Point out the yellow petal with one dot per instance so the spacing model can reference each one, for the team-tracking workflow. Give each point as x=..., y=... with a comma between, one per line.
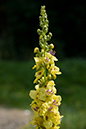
x=51, y=83
x=59, y=73
x=37, y=86
x=34, y=67
x=37, y=60
x=47, y=124
x=33, y=94
x=42, y=94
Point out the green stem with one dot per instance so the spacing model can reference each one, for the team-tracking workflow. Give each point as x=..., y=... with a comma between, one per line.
x=44, y=56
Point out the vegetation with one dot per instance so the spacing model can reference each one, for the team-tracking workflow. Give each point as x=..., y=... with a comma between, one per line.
x=16, y=81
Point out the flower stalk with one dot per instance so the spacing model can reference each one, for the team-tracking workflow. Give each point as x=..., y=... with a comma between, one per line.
x=45, y=104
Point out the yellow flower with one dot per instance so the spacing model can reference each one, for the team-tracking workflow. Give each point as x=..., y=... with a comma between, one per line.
x=49, y=56
x=55, y=110
x=47, y=124
x=35, y=107
x=37, y=120
x=43, y=109
x=39, y=74
x=39, y=62
x=50, y=90
x=51, y=83
x=45, y=104
x=55, y=69
x=55, y=118
x=56, y=100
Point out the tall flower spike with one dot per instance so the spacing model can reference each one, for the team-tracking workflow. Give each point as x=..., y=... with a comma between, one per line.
x=45, y=101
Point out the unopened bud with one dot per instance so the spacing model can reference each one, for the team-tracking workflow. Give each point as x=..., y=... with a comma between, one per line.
x=49, y=76
x=50, y=34
x=42, y=50
x=45, y=26
x=40, y=37
x=42, y=80
x=36, y=50
x=43, y=7
x=38, y=30
x=51, y=46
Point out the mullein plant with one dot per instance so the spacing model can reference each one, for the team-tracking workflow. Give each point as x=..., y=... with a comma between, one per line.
x=45, y=104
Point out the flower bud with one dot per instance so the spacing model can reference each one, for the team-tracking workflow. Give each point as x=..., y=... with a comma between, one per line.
x=51, y=46
x=48, y=37
x=40, y=37
x=42, y=80
x=42, y=50
x=49, y=76
x=41, y=45
x=44, y=26
x=45, y=16
x=43, y=7
x=39, y=31
x=36, y=50
x=50, y=34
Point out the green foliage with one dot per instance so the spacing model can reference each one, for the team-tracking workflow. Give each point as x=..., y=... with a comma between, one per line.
x=15, y=83
x=74, y=119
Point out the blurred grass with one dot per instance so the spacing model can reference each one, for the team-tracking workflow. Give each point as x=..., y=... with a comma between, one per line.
x=16, y=81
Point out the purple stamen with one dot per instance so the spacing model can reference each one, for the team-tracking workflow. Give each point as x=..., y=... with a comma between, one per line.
x=51, y=52
x=46, y=117
x=50, y=108
x=35, y=109
x=47, y=90
x=39, y=73
x=52, y=93
x=47, y=59
x=54, y=101
x=50, y=111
